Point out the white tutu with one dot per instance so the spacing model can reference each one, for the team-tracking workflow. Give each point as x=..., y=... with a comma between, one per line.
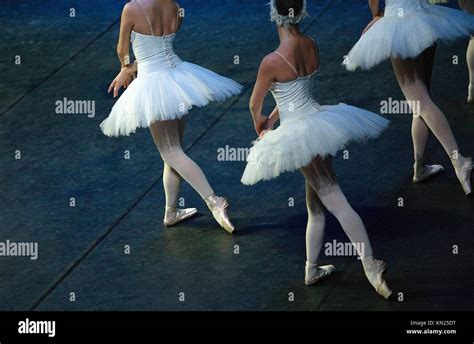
x=166, y=95
x=166, y=87
x=302, y=137
x=407, y=29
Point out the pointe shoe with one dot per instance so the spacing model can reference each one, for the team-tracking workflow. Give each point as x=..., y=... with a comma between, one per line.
x=374, y=270
x=470, y=97
x=174, y=216
x=464, y=175
x=423, y=173
x=314, y=273
x=218, y=206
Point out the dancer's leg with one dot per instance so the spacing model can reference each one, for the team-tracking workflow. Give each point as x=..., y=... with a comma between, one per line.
x=171, y=178
x=315, y=238
x=320, y=175
x=468, y=6
x=470, y=65
x=315, y=226
x=411, y=75
x=167, y=139
x=166, y=135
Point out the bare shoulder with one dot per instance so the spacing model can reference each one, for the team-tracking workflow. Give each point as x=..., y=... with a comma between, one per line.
x=270, y=63
x=129, y=10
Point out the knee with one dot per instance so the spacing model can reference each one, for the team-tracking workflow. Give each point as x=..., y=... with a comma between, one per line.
x=316, y=213
x=171, y=156
x=336, y=204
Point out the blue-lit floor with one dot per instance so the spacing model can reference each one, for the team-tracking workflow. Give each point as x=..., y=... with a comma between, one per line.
x=83, y=262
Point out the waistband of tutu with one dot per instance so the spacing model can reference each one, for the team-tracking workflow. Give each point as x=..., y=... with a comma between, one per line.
x=148, y=67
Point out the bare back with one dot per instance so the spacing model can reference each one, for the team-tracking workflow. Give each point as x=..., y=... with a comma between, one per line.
x=156, y=17
x=296, y=57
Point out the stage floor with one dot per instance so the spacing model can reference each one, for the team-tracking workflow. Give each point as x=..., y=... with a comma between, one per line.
x=83, y=260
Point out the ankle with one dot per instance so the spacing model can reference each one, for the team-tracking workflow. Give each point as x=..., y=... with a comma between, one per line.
x=457, y=160
x=211, y=200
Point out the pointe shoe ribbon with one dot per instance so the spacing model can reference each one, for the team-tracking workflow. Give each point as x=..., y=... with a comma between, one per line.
x=174, y=216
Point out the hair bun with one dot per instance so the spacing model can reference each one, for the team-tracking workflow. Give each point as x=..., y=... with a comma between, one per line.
x=282, y=20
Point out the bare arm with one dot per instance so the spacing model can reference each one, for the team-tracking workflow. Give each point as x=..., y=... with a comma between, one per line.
x=377, y=13
x=126, y=26
x=265, y=78
x=375, y=7
x=128, y=69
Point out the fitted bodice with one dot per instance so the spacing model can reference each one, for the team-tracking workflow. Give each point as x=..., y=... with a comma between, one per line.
x=154, y=53
x=399, y=7
x=294, y=98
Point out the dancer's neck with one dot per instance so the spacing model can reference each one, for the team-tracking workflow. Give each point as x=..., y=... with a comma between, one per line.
x=286, y=32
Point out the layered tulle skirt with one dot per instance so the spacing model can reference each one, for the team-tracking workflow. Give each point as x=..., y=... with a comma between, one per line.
x=167, y=94
x=408, y=35
x=298, y=140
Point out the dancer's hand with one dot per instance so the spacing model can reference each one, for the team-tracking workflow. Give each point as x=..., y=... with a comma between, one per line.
x=270, y=122
x=263, y=133
x=259, y=123
x=367, y=28
x=123, y=79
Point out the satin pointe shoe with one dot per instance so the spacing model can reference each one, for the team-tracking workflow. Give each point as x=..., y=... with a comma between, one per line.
x=218, y=207
x=464, y=173
x=314, y=273
x=423, y=172
x=174, y=216
x=374, y=270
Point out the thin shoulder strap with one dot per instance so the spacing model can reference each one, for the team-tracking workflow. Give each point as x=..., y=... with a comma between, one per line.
x=177, y=17
x=144, y=14
x=288, y=62
x=316, y=50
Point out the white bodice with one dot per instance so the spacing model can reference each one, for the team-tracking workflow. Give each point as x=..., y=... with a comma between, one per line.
x=154, y=53
x=294, y=98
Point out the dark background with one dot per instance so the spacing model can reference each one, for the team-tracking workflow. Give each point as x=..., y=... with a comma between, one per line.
x=120, y=202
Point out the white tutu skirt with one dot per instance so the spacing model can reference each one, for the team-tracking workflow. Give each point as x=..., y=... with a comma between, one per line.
x=164, y=95
x=409, y=35
x=297, y=141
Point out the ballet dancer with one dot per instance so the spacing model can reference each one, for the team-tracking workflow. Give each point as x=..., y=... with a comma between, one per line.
x=468, y=6
x=308, y=137
x=407, y=31
x=164, y=91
